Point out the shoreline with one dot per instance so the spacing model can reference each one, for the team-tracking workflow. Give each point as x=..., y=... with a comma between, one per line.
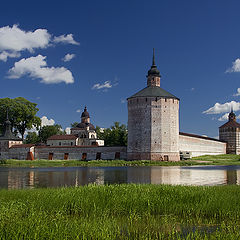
x=226, y=159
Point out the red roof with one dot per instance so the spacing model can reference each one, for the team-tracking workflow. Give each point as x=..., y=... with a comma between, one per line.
x=22, y=146
x=198, y=136
x=62, y=137
x=231, y=123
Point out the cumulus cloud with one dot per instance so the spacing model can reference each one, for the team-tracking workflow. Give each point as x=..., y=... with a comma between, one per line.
x=46, y=122
x=65, y=39
x=235, y=66
x=5, y=55
x=67, y=130
x=223, y=108
x=223, y=117
x=123, y=100
x=238, y=93
x=36, y=67
x=68, y=57
x=13, y=40
x=105, y=85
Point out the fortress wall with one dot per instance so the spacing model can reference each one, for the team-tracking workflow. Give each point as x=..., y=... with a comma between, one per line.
x=76, y=152
x=20, y=153
x=200, y=145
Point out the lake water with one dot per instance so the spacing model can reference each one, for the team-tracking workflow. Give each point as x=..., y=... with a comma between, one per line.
x=19, y=178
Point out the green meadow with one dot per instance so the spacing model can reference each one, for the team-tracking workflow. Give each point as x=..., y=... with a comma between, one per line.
x=121, y=212
x=226, y=159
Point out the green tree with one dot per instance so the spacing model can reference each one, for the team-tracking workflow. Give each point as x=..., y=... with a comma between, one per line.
x=73, y=125
x=47, y=131
x=32, y=137
x=22, y=114
x=114, y=136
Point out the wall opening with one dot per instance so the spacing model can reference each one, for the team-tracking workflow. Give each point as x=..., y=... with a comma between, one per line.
x=84, y=156
x=50, y=156
x=30, y=156
x=165, y=157
x=117, y=155
x=66, y=156
x=98, y=156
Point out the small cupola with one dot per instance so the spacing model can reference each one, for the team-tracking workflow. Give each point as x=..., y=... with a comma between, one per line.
x=153, y=77
x=232, y=116
x=85, y=118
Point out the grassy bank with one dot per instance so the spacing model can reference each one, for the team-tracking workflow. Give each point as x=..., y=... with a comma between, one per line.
x=121, y=212
x=226, y=159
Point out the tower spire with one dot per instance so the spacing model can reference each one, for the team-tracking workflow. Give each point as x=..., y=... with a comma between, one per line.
x=153, y=77
x=153, y=60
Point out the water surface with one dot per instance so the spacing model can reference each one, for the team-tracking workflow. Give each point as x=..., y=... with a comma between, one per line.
x=18, y=178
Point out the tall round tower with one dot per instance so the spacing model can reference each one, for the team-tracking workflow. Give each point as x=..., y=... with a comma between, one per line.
x=153, y=122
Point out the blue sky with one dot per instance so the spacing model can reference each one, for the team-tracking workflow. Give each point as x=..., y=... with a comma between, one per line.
x=109, y=45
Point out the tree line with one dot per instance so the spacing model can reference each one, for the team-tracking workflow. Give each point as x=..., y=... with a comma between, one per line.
x=22, y=115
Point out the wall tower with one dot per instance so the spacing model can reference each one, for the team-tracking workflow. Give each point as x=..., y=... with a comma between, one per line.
x=153, y=122
x=230, y=133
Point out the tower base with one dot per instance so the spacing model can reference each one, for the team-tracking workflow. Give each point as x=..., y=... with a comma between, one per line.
x=171, y=157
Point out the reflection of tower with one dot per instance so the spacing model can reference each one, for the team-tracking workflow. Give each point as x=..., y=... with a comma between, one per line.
x=231, y=177
x=165, y=175
x=31, y=179
x=153, y=122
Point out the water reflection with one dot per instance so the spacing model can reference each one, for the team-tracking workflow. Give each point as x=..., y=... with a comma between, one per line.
x=18, y=178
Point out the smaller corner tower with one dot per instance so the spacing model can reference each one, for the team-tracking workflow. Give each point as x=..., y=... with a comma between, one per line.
x=230, y=133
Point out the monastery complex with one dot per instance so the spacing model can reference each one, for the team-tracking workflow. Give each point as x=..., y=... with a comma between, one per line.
x=153, y=133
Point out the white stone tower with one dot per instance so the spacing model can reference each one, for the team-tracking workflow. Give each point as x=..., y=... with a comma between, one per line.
x=153, y=122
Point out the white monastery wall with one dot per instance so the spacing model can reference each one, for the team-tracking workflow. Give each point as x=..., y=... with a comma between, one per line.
x=201, y=146
x=77, y=152
x=20, y=153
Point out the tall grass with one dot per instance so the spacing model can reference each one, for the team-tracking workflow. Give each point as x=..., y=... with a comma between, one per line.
x=121, y=212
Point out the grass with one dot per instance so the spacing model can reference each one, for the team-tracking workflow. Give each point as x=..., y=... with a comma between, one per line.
x=121, y=212
x=226, y=159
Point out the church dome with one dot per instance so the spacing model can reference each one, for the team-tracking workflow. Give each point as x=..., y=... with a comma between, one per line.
x=85, y=114
x=154, y=71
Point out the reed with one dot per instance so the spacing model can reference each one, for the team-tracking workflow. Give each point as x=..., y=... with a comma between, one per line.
x=121, y=212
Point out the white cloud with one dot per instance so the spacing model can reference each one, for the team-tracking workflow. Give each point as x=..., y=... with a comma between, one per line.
x=123, y=100
x=65, y=39
x=105, y=85
x=13, y=40
x=46, y=122
x=5, y=55
x=36, y=67
x=238, y=93
x=223, y=108
x=68, y=57
x=192, y=89
x=223, y=117
x=67, y=129
x=235, y=66
x=78, y=111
